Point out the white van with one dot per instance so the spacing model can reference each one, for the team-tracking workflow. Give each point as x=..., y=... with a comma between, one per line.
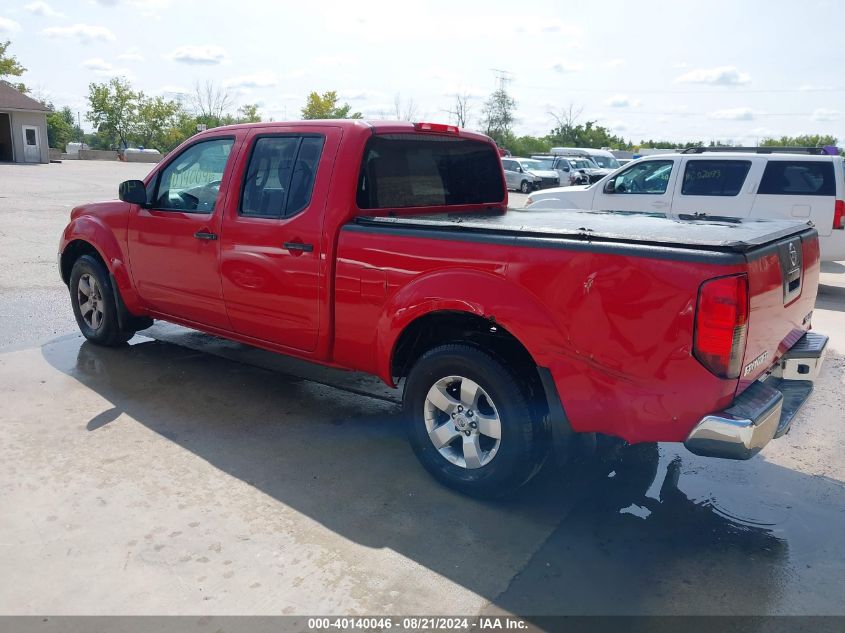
x=762, y=183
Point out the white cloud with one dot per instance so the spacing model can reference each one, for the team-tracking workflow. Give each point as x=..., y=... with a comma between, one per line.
x=132, y=55
x=562, y=66
x=256, y=80
x=174, y=92
x=97, y=63
x=614, y=63
x=334, y=61
x=104, y=69
x=208, y=55
x=722, y=76
x=8, y=26
x=618, y=126
x=734, y=114
x=621, y=101
x=296, y=73
x=85, y=33
x=825, y=114
x=39, y=7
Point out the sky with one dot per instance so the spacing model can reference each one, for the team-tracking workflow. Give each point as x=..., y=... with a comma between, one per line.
x=681, y=70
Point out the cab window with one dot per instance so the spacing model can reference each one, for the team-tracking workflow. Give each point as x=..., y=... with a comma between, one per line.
x=650, y=177
x=280, y=175
x=191, y=182
x=714, y=177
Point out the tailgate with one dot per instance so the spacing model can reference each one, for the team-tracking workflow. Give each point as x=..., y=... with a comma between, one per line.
x=783, y=279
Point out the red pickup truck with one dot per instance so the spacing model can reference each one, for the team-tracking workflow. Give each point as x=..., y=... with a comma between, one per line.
x=388, y=248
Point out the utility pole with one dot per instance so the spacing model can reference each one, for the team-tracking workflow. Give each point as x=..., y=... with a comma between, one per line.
x=79, y=125
x=503, y=78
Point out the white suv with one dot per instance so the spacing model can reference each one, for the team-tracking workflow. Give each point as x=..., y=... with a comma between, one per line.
x=803, y=185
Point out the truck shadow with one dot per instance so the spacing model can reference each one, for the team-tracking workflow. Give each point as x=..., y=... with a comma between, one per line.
x=650, y=530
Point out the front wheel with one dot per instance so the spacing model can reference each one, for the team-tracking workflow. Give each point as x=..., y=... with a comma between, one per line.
x=525, y=187
x=469, y=422
x=92, y=299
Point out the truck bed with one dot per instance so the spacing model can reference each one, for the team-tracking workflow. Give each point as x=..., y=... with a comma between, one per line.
x=720, y=235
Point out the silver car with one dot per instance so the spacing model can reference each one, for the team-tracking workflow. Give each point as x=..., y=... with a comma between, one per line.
x=526, y=175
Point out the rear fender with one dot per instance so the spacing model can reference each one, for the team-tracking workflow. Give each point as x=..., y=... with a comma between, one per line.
x=482, y=294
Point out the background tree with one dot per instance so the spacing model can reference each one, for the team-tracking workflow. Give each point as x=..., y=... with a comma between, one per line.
x=211, y=104
x=61, y=127
x=248, y=113
x=10, y=67
x=460, y=111
x=404, y=110
x=113, y=109
x=498, y=116
x=325, y=107
x=154, y=118
x=805, y=140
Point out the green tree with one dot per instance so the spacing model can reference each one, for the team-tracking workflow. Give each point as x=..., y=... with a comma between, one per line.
x=806, y=140
x=61, y=127
x=248, y=113
x=113, y=109
x=325, y=107
x=498, y=116
x=154, y=118
x=10, y=67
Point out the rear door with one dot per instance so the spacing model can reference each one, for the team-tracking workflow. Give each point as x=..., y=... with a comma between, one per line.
x=717, y=186
x=800, y=189
x=646, y=185
x=271, y=246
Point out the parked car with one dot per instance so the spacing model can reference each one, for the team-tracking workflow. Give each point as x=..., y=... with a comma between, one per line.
x=601, y=157
x=525, y=175
x=371, y=247
x=566, y=169
x=766, y=183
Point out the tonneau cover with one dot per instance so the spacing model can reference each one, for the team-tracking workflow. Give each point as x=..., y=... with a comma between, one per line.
x=728, y=234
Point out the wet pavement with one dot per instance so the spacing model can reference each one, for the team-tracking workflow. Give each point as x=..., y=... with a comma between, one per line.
x=186, y=474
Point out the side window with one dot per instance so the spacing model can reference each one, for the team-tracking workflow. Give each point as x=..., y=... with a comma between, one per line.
x=509, y=165
x=191, y=182
x=798, y=178
x=648, y=177
x=280, y=175
x=715, y=177
x=562, y=164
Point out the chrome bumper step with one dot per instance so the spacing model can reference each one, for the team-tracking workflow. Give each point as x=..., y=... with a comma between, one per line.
x=795, y=394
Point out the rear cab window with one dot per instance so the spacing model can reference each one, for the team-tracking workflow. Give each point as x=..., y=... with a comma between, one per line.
x=280, y=175
x=715, y=177
x=413, y=170
x=798, y=178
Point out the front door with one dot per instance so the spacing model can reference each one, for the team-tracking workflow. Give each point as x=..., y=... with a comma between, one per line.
x=646, y=185
x=173, y=244
x=31, y=144
x=272, y=259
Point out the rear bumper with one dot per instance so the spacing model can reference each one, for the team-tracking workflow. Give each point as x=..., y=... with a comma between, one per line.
x=765, y=410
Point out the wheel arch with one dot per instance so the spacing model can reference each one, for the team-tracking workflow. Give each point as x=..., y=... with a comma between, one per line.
x=86, y=235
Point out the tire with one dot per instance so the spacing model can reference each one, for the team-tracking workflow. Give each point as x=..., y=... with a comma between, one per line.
x=525, y=187
x=97, y=319
x=469, y=458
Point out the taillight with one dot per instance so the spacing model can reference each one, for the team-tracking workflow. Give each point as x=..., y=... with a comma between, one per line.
x=721, y=325
x=839, y=215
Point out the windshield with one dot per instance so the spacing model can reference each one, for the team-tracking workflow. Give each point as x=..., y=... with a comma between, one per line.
x=582, y=163
x=532, y=165
x=608, y=162
x=546, y=163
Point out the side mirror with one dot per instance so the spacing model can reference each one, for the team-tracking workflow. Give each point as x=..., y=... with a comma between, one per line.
x=610, y=187
x=133, y=192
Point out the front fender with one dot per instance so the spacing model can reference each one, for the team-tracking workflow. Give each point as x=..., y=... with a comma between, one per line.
x=94, y=231
x=482, y=294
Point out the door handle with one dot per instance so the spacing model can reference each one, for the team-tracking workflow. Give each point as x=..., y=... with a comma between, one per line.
x=299, y=246
x=205, y=235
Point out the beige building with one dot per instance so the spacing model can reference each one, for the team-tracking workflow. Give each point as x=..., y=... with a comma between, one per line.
x=23, y=128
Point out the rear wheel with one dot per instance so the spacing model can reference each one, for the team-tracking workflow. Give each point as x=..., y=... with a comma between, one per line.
x=469, y=422
x=92, y=299
x=525, y=187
